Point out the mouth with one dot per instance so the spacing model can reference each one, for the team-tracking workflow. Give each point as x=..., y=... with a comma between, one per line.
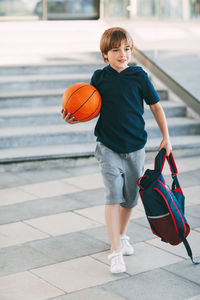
x=122, y=60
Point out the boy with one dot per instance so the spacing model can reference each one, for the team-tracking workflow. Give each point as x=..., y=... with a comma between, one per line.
x=121, y=135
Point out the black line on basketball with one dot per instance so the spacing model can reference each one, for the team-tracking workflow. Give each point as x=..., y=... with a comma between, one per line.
x=83, y=103
x=93, y=112
x=76, y=91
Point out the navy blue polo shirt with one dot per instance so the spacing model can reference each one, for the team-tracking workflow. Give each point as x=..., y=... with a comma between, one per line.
x=121, y=126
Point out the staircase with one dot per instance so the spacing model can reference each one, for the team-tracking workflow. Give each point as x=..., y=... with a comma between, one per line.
x=31, y=126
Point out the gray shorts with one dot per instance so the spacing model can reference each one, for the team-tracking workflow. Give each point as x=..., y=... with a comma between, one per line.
x=120, y=173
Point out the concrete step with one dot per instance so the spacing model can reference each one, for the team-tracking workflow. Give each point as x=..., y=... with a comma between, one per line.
x=55, y=67
x=32, y=127
x=82, y=133
x=177, y=126
x=184, y=143
x=46, y=135
x=46, y=85
x=41, y=81
x=30, y=102
x=41, y=115
x=31, y=95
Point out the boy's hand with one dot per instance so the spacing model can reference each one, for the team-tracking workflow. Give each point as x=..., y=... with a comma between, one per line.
x=166, y=144
x=66, y=117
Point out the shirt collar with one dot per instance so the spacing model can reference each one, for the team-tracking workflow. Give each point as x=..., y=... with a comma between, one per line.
x=115, y=71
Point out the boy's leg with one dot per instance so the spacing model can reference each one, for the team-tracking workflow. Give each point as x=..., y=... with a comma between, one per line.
x=126, y=247
x=112, y=216
x=125, y=214
x=133, y=169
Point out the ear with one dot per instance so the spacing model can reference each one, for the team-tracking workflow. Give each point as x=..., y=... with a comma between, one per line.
x=105, y=56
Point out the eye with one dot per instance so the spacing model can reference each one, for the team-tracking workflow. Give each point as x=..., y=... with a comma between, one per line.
x=115, y=50
x=127, y=48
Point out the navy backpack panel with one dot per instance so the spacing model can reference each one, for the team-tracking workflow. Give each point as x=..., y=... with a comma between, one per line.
x=164, y=207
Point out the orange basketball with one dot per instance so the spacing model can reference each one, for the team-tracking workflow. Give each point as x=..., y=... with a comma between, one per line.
x=82, y=101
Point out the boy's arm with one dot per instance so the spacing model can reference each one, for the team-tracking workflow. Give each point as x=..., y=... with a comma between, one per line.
x=159, y=115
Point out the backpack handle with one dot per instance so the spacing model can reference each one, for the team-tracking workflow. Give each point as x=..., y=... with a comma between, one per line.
x=160, y=161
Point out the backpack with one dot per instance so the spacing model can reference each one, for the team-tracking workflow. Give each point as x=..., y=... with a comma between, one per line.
x=164, y=207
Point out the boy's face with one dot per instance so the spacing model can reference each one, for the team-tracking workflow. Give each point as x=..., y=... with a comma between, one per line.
x=119, y=57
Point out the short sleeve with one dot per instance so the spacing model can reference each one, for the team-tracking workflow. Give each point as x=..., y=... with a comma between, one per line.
x=149, y=93
x=94, y=78
x=92, y=81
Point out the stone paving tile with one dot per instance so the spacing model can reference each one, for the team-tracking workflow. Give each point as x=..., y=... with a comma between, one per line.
x=193, y=238
x=187, y=164
x=187, y=179
x=187, y=270
x=17, y=178
x=21, y=258
x=193, y=211
x=69, y=246
x=95, y=213
x=14, y=195
x=194, y=298
x=16, y=233
x=141, y=221
x=136, y=232
x=90, y=294
x=77, y=274
x=91, y=197
x=44, y=175
x=86, y=182
x=84, y=170
x=139, y=205
x=150, y=257
x=192, y=195
x=183, y=165
x=62, y=223
x=9, y=180
x=26, y=286
x=193, y=221
x=137, y=213
x=99, y=233
x=38, y=208
x=153, y=285
x=50, y=188
x=95, y=197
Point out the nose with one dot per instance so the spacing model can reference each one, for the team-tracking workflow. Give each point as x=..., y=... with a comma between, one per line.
x=122, y=52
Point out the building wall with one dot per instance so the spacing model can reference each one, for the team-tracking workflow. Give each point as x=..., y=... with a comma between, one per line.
x=52, y=9
x=90, y=9
x=154, y=9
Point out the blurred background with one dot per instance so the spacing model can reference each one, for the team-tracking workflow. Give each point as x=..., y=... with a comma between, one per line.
x=93, y=9
x=47, y=45
x=168, y=31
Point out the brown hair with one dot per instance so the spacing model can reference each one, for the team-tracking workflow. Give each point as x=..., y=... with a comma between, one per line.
x=112, y=38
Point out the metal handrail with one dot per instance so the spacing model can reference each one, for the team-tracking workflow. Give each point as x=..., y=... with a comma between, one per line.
x=174, y=86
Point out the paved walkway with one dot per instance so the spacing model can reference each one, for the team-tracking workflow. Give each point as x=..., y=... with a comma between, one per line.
x=54, y=244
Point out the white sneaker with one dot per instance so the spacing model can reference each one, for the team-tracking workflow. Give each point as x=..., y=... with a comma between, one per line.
x=126, y=247
x=117, y=264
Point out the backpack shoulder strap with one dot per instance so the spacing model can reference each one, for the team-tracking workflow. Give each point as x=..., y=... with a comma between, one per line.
x=172, y=164
x=189, y=251
x=160, y=161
